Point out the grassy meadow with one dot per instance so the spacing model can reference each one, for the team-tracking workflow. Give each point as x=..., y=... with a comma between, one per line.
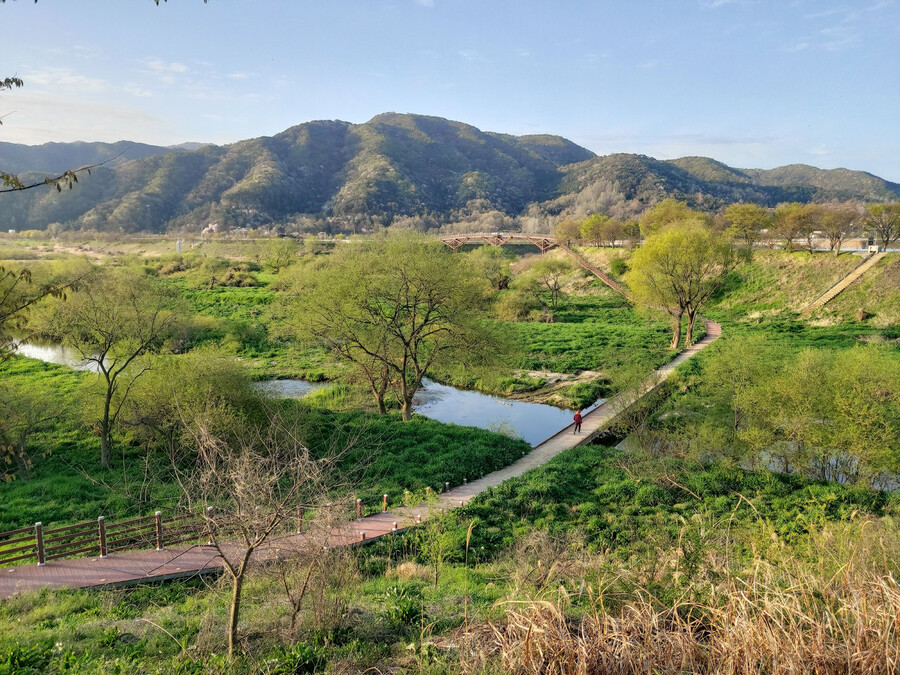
x=662, y=558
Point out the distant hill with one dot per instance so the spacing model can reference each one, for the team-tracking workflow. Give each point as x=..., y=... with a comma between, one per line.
x=58, y=157
x=346, y=175
x=709, y=184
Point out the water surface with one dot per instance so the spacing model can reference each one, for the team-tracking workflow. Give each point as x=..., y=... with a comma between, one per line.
x=532, y=422
x=288, y=388
x=52, y=352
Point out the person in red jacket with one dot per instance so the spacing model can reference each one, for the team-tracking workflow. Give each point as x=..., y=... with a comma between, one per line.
x=577, y=419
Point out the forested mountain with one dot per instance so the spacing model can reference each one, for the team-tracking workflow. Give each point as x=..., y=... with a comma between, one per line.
x=337, y=175
x=58, y=157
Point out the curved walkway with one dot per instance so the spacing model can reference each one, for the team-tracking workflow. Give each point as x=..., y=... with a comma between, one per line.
x=141, y=566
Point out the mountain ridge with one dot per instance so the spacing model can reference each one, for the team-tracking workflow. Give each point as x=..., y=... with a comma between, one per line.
x=338, y=175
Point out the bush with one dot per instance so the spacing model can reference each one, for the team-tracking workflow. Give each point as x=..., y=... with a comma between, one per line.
x=618, y=266
x=403, y=604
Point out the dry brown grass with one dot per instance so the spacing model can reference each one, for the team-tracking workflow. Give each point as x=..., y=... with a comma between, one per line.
x=778, y=616
x=756, y=626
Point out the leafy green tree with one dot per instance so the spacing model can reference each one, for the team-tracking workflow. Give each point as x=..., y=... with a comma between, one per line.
x=24, y=409
x=568, y=232
x=678, y=270
x=22, y=287
x=883, y=220
x=115, y=318
x=865, y=410
x=394, y=308
x=179, y=388
x=491, y=263
x=280, y=253
x=544, y=278
x=839, y=222
x=592, y=228
x=667, y=211
x=795, y=222
x=745, y=222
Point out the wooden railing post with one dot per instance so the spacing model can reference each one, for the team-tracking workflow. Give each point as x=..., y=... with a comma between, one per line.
x=210, y=527
x=39, y=541
x=358, y=509
x=299, y=519
x=159, y=531
x=384, y=503
x=101, y=526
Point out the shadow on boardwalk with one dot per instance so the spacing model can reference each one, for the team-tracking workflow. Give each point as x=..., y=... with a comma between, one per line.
x=141, y=566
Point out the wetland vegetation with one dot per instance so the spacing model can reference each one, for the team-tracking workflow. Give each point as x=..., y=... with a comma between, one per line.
x=764, y=460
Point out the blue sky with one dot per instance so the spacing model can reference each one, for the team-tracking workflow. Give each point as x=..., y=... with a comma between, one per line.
x=753, y=83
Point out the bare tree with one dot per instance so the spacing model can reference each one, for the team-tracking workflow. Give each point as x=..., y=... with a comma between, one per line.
x=250, y=487
x=884, y=222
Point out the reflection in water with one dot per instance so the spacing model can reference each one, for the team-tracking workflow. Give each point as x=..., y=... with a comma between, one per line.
x=288, y=388
x=533, y=422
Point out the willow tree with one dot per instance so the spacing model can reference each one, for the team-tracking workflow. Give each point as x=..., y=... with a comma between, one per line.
x=665, y=213
x=745, y=223
x=113, y=320
x=394, y=308
x=678, y=270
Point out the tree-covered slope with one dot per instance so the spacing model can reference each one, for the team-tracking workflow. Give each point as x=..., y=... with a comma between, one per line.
x=394, y=165
x=58, y=157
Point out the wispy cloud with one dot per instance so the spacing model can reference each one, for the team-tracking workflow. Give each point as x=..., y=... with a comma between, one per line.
x=39, y=119
x=715, y=4
x=65, y=78
x=592, y=60
x=160, y=66
x=137, y=90
x=471, y=55
x=797, y=46
x=425, y=3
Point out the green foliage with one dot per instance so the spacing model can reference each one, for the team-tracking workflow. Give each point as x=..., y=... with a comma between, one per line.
x=299, y=659
x=389, y=457
x=394, y=309
x=403, y=604
x=631, y=511
x=666, y=212
x=618, y=266
x=25, y=660
x=679, y=267
x=830, y=414
x=596, y=331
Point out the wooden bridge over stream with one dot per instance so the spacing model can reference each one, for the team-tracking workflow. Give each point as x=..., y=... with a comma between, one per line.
x=154, y=548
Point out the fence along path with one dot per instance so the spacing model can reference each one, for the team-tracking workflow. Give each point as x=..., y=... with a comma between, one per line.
x=177, y=544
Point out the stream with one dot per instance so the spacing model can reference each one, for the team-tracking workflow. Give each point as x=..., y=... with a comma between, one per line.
x=532, y=422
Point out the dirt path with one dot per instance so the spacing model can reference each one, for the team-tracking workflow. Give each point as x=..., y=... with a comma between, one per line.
x=136, y=566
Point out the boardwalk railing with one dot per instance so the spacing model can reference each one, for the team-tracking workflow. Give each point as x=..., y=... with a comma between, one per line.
x=35, y=544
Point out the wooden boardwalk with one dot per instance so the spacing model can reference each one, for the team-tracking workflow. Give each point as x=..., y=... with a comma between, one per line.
x=134, y=567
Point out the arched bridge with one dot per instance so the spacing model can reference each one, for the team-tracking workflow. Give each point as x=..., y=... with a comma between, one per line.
x=500, y=238
x=542, y=242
